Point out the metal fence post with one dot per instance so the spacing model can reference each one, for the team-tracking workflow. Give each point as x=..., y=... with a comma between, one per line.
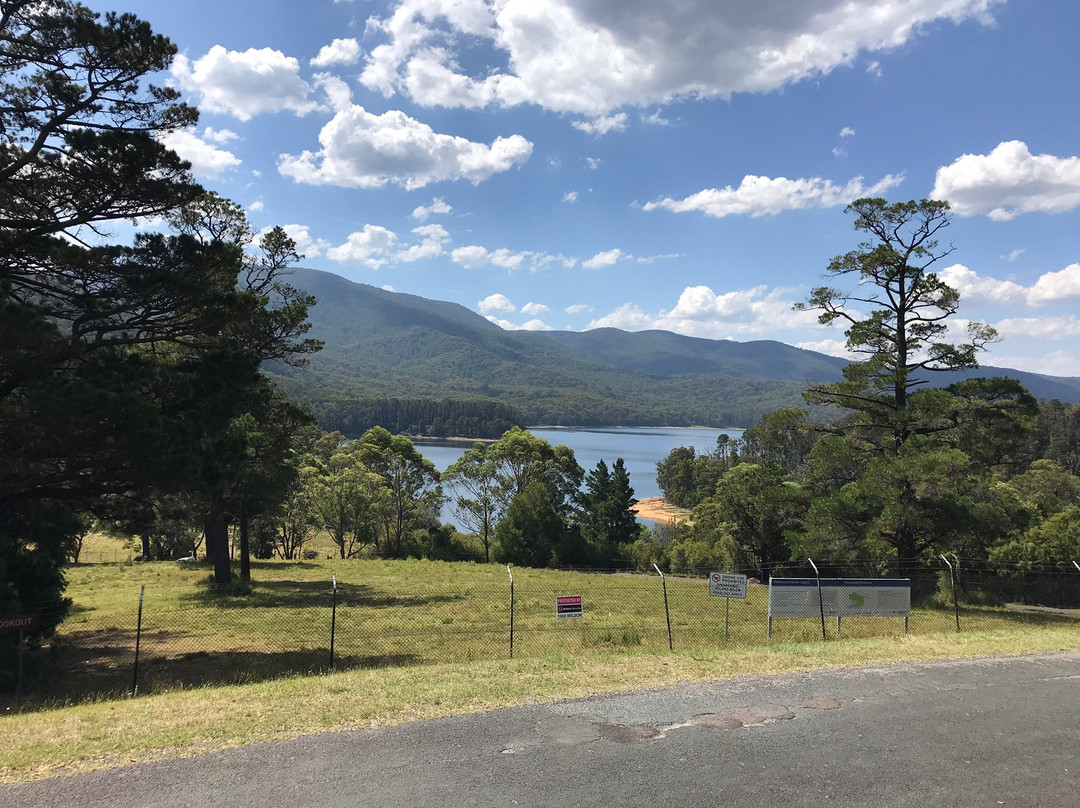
x=138, y=638
x=952, y=581
x=667, y=613
x=333, y=618
x=18, y=681
x=820, y=600
x=511, y=574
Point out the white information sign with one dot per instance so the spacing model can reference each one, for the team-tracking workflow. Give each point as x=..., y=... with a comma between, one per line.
x=727, y=585
x=840, y=597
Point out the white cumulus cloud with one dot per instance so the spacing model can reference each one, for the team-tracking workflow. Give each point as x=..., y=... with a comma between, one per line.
x=496, y=304
x=570, y=196
x=219, y=135
x=1052, y=328
x=1053, y=286
x=371, y=247
x=474, y=256
x=338, y=52
x=1054, y=363
x=971, y=285
x=207, y=161
x=832, y=347
x=602, y=124
x=437, y=206
x=1050, y=287
x=433, y=243
x=760, y=196
x=702, y=312
x=577, y=308
x=590, y=57
x=535, y=325
x=535, y=309
x=363, y=150
x=306, y=244
x=603, y=259
x=245, y=84
x=1009, y=181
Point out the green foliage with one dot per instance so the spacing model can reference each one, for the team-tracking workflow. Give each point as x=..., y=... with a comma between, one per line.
x=409, y=496
x=129, y=374
x=762, y=508
x=605, y=508
x=1048, y=545
x=479, y=503
x=899, y=337
x=532, y=530
x=687, y=478
x=466, y=417
x=1047, y=488
x=536, y=486
x=1058, y=434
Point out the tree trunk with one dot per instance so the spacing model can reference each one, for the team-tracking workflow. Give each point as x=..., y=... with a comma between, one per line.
x=145, y=547
x=217, y=541
x=245, y=546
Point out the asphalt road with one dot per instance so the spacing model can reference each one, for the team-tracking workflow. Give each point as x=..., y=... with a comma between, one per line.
x=971, y=733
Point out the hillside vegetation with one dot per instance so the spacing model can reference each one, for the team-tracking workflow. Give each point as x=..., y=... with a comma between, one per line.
x=381, y=344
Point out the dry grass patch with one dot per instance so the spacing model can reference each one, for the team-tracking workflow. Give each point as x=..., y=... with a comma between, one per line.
x=184, y=723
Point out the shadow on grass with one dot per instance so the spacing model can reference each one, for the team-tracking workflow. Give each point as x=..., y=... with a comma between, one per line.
x=310, y=594
x=100, y=665
x=86, y=665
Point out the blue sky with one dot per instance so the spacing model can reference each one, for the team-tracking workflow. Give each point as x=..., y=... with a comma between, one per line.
x=683, y=165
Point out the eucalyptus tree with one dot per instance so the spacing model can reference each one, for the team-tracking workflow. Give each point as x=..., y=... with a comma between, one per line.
x=478, y=504
x=411, y=494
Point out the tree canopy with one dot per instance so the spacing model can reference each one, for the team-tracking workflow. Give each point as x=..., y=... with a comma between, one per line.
x=126, y=370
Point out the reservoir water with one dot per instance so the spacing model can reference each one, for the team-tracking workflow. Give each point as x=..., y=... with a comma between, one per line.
x=639, y=447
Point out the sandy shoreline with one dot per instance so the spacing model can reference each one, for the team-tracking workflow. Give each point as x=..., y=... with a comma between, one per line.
x=657, y=509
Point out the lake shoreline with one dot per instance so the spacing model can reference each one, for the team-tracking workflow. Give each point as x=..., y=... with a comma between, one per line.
x=627, y=426
x=658, y=509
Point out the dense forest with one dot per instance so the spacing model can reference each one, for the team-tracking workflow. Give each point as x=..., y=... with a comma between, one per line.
x=448, y=417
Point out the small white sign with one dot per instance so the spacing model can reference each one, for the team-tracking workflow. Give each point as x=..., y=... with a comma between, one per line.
x=727, y=585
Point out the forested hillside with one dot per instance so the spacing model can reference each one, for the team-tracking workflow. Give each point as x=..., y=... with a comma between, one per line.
x=391, y=346
x=386, y=344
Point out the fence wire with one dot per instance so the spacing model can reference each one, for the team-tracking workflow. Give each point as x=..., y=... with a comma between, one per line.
x=282, y=628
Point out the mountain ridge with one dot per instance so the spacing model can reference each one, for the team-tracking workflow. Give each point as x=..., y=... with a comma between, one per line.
x=383, y=343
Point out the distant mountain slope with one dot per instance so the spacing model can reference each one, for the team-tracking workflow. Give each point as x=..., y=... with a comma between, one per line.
x=380, y=343
x=662, y=353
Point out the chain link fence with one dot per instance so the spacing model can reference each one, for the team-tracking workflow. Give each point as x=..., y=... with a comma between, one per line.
x=287, y=627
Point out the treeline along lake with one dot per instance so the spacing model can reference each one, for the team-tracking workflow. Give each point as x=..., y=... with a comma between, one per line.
x=639, y=447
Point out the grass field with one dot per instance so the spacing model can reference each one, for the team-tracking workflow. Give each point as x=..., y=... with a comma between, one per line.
x=221, y=669
x=402, y=613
